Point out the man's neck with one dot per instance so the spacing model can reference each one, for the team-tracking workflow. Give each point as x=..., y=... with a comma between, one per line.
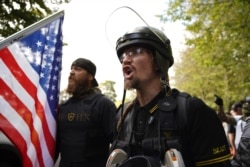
x=144, y=96
x=82, y=92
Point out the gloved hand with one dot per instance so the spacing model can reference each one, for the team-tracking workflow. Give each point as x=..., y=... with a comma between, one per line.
x=218, y=100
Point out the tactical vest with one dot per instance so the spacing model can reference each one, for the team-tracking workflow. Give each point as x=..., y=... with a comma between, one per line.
x=165, y=127
x=92, y=132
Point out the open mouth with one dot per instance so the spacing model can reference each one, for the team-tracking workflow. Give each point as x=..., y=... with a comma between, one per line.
x=127, y=72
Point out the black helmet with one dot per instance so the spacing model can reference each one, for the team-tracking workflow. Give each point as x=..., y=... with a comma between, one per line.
x=152, y=38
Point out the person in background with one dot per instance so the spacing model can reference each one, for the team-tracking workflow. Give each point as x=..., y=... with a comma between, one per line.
x=162, y=122
x=242, y=158
x=227, y=120
x=85, y=121
x=235, y=131
x=224, y=117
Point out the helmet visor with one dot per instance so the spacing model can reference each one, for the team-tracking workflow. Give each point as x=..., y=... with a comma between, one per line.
x=120, y=21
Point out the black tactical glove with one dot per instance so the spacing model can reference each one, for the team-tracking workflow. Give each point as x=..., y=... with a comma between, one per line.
x=218, y=100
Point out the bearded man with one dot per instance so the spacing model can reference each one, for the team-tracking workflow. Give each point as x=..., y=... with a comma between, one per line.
x=85, y=121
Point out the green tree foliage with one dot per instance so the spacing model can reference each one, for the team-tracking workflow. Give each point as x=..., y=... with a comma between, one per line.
x=130, y=95
x=217, y=57
x=18, y=14
x=108, y=89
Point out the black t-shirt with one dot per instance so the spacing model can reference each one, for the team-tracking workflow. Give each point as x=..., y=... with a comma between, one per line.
x=203, y=139
x=85, y=128
x=206, y=143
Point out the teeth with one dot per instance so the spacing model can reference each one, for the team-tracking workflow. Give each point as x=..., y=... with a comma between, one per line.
x=128, y=71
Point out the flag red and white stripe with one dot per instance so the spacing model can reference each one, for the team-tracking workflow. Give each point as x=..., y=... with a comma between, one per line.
x=29, y=91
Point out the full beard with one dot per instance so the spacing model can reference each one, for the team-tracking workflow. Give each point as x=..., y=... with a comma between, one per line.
x=75, y=86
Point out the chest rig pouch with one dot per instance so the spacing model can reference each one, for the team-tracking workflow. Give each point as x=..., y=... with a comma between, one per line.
x=167, y=118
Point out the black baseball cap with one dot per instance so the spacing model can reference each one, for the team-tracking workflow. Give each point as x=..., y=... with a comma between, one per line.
x=88, y=65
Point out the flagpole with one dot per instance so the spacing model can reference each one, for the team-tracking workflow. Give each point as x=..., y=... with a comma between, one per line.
x=30, y=29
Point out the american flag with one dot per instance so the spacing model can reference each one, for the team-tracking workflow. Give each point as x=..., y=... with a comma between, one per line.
x=29, y=90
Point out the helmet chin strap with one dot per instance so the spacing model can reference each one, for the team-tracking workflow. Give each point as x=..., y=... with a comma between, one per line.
x=165, y=83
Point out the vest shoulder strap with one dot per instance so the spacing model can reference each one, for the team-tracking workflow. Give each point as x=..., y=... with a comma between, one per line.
x=182, y=107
